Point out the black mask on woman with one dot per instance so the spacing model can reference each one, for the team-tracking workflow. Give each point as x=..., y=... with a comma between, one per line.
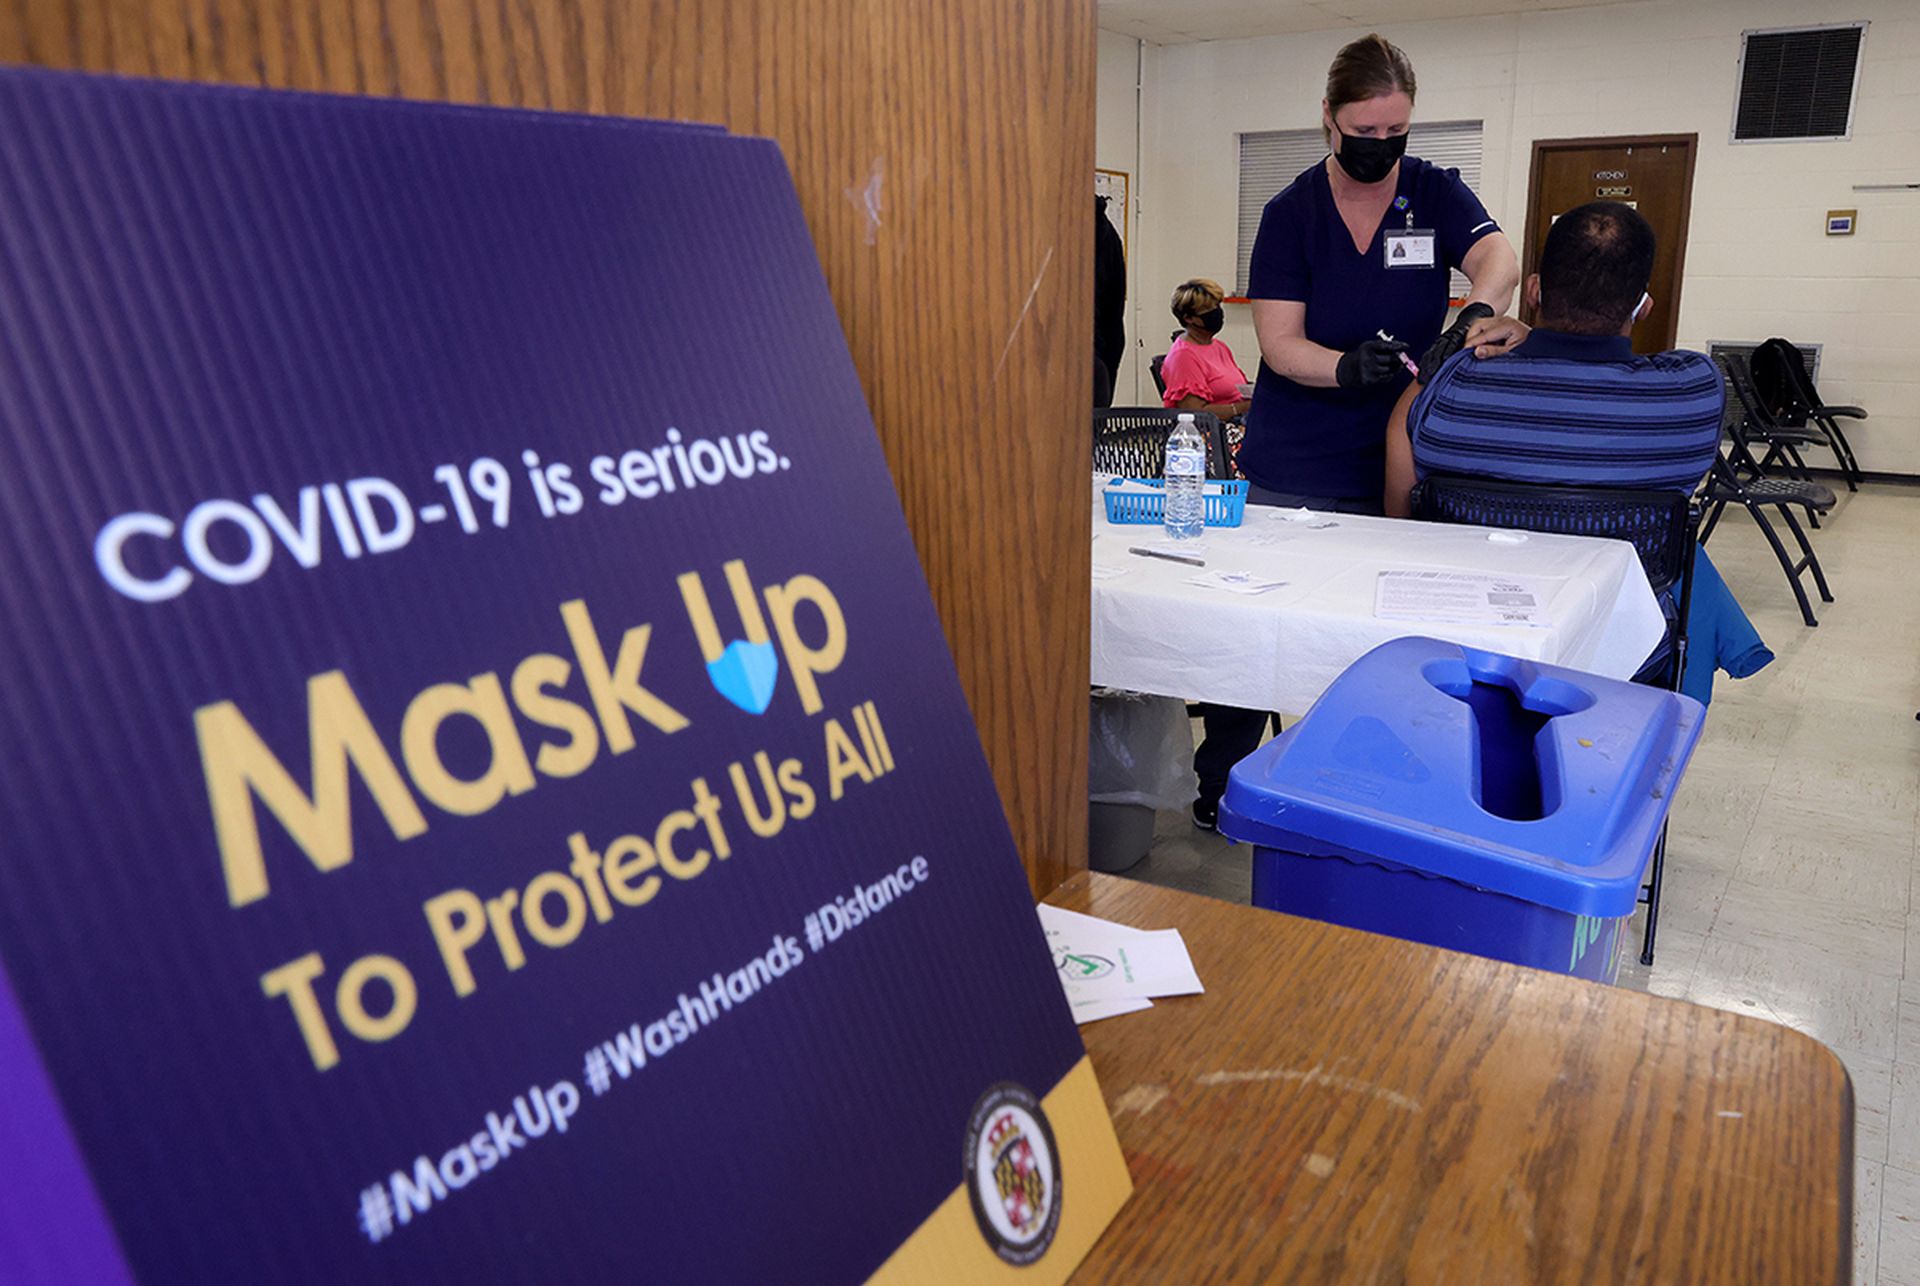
x=1212, y=321
x=1368, y=160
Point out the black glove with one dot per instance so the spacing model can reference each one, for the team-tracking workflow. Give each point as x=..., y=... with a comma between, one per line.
x=1450, y=340
x=1374, y=362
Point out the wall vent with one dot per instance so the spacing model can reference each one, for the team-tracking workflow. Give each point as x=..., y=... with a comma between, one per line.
x=1798, y=83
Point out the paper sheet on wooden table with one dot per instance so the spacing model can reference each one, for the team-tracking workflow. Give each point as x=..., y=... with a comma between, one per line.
x=1110, y=969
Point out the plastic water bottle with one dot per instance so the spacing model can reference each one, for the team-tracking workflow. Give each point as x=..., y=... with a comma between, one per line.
x=1186, y=479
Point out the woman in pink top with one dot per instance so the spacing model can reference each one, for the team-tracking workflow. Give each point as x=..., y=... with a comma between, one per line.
x=1199, y=370
x=1201, y=375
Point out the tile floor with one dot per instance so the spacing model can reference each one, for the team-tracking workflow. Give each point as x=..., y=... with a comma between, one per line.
x=1789, y=887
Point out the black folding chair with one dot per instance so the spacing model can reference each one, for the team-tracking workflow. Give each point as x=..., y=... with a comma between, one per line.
x=1132, y=440
x=1748, y=421
x=1739, y=477
x=1796, y=402
x=1159, y=380
x=1659, y=524
x=1725, y=486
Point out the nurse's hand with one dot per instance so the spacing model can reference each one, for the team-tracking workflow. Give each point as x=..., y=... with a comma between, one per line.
x=1451, y=339
x=1375, y=361
x=1496, y=335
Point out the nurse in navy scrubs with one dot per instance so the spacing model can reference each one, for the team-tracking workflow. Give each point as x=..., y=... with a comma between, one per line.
x=1358, y=245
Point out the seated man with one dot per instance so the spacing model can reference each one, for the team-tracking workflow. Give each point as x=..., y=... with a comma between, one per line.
x=1568, y=403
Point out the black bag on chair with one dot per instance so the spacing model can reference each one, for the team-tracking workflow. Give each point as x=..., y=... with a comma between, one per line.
x=1774, y=365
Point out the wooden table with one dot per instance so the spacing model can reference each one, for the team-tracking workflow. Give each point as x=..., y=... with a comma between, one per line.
x=1346, y=1107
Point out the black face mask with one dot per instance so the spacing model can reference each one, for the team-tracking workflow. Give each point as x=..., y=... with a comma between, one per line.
x=1368, y=160
x=1211, y=322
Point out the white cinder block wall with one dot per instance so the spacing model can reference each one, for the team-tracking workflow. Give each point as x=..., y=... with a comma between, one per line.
x=1758, y=260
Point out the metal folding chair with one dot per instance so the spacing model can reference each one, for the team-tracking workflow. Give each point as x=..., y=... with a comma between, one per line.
x=1749, y=422
x=1659, y=524
x=1725, y=486
x=1740, y=477
x=1798, y=404
x=1749, y=418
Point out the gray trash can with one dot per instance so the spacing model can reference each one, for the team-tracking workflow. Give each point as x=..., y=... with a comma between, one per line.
x=1140, y=759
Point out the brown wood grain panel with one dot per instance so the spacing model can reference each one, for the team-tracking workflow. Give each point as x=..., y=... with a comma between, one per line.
x=966, y=295
x=1345, y=1107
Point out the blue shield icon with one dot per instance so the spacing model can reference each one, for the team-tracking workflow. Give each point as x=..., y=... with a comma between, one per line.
x=745, y=674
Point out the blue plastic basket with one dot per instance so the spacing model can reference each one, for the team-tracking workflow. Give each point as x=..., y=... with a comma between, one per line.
x=1225, y=507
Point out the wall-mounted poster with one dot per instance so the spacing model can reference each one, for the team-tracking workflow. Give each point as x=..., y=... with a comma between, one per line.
x=483, y=790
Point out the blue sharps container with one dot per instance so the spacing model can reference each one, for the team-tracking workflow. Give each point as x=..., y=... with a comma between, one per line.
x=1469, y=800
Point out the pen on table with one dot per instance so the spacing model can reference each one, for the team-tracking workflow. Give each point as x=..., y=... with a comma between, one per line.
x=1405, y=361
x=1172, y=558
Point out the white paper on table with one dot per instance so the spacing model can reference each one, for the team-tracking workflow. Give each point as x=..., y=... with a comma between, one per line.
x=1092, y=1011
x=1466, y=598
x=1268, y=537
x=1235, y=582
x=1305, y=517
x=1101, y=961
x=1108, y=573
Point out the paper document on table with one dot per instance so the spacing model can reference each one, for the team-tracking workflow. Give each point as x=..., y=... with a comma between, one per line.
x=1092, y=1011
x=1108, y=573
x=1110, y=969
x=1466, y=598
x=1235, y=582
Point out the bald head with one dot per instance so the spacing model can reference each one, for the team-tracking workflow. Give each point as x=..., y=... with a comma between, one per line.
x=1597, y=261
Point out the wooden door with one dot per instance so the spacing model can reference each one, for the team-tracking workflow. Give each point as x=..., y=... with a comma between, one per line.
x=1652, y=173
x=941, y=150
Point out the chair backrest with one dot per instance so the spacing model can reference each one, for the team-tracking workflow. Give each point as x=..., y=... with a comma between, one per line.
x=1159, y=380
x=1753, y=412
x=1733, y=413
x=1132, y=440
x=1659, y=524
x=1656, y=522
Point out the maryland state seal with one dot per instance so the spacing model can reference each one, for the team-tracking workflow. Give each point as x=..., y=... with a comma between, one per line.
x=1013, y=1173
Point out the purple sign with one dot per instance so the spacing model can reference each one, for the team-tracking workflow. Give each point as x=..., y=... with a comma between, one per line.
x=482, y=784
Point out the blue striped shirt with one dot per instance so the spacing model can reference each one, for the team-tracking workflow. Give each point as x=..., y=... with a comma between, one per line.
x=1571, y=410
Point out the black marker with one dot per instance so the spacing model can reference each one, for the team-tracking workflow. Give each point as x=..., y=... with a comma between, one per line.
x=1172, y=558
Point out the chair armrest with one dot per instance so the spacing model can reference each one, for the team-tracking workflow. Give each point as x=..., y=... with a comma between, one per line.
x=1848, y=412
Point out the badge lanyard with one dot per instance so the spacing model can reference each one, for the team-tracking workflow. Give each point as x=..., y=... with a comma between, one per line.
x=1412, y=248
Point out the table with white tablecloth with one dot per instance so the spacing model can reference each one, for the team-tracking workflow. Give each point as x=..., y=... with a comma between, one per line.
x=1154, y=631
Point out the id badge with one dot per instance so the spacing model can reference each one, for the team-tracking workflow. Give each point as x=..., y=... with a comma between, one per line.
x=1412, y=248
